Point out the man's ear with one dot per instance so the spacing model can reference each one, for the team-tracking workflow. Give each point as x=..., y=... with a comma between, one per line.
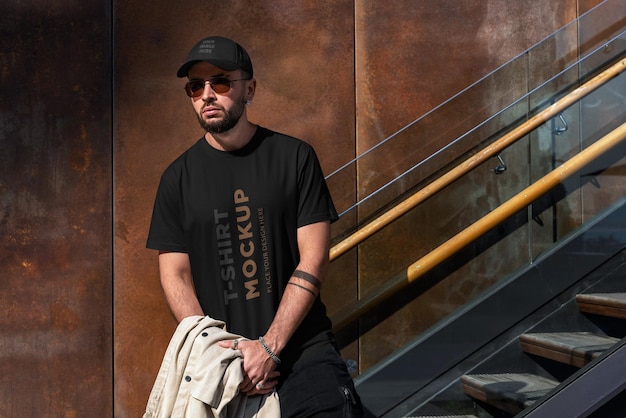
x=251, y=90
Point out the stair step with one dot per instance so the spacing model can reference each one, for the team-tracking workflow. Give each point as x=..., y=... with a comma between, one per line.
x=574, y=348
x=509, y=392
x=607, y=304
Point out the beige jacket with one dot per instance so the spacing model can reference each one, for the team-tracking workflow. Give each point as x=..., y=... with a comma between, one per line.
x=200, y=379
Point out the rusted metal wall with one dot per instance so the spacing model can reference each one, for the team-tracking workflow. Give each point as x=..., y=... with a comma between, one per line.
x=82, y=148
x=55, y=209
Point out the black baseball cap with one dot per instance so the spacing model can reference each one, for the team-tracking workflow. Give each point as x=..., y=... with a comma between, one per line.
x=221, y=52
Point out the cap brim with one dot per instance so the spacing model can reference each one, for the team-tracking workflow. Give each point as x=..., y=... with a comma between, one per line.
x=183, y=71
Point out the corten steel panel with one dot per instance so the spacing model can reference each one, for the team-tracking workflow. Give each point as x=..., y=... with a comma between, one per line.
x=410, y=57
x=586, y=5
x=303, y=58
x=55, y=210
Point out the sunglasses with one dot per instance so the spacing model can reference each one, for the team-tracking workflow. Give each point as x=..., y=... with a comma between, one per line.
x=221, y=85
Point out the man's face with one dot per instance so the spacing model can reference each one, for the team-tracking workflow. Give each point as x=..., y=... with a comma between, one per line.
x=219, y=112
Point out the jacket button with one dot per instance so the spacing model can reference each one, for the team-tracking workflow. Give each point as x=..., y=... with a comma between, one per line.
x=187, y=378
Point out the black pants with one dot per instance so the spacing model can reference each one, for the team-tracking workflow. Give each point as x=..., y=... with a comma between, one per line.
x=319, y=385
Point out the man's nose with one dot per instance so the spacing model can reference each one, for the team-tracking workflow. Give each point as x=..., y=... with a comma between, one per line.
x=208, y=92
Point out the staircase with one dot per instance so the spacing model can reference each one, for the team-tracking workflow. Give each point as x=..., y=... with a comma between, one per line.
x=553, y=328
x=508, y=393
x=513, y=392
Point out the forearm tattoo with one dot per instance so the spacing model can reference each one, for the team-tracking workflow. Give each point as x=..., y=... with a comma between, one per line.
x=308, y=277
x=303, y=288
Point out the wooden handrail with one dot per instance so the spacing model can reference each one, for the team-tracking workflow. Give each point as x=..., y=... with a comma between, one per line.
x=483, y=225
x=472, y=162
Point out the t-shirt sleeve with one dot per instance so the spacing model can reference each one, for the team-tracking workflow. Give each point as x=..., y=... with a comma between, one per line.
x=166, y=231
x=315, y=202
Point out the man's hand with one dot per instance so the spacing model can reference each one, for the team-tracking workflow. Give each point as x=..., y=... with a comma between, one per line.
x=258, y=368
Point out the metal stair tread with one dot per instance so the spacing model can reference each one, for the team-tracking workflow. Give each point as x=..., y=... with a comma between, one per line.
x=609, y=304
x=575, y=348
x=511, y=392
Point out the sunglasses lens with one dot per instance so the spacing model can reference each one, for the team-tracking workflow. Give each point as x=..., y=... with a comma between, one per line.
x=220, y=85
x=194, y=88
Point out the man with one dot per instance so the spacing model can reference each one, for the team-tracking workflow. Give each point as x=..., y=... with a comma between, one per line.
x=242, y=224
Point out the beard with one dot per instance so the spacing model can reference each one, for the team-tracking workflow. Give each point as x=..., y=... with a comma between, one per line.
x=231, y=118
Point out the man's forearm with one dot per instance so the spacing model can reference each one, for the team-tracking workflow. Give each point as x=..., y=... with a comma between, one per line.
x=300, y=293
x=303, y=286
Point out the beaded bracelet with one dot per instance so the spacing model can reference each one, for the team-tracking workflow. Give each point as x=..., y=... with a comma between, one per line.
x=270, y=352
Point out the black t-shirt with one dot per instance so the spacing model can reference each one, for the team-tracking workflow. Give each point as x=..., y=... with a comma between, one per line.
x=236, y=215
